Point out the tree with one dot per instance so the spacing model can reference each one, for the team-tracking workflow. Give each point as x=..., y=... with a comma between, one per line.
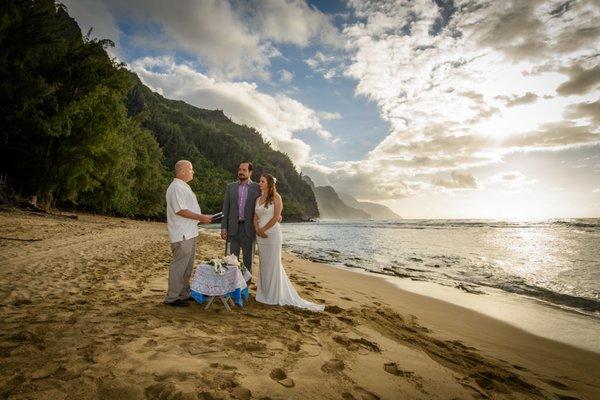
x=67, y=136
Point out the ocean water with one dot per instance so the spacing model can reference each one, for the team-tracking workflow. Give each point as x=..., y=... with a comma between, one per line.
x=555, y=261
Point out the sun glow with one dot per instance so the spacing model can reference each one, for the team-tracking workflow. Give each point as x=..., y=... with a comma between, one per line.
x=519, y=204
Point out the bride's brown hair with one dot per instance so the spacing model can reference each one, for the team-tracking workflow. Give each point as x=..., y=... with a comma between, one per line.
x=271, y=188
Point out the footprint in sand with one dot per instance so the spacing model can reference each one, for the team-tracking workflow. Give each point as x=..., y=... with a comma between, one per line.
x=246, y=346
x=365, y=394
x=520, y=368
x=43, y=372
x=167, y=390
x=332, y=366
x=220, y=376
x=392, y=368
x=241, y=393
x=210, y=395
x=347, y=320
x=333, y=309
x=151, y=343
x=224, y=367
x=356, y=344
x=295, y=347
x=279, y=375
x=556, y=384
x=114, y=389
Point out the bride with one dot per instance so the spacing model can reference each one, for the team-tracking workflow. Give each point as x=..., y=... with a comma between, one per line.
x=273, y=287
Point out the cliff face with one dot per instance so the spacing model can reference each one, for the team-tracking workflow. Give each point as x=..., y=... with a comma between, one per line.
x=377, y=211
x=332, y=207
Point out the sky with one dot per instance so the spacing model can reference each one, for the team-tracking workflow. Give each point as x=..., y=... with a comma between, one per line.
x=437, y=109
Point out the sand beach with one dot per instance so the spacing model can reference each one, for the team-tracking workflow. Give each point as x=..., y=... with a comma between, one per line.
x=82, y=318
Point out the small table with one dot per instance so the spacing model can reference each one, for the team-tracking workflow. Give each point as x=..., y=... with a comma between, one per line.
x=207, y=285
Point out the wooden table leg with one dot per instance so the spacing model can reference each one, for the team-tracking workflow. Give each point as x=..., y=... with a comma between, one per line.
x=224, y=301
x=210, y=300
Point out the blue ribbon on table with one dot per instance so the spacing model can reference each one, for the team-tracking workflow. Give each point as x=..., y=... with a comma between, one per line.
x=237, y=295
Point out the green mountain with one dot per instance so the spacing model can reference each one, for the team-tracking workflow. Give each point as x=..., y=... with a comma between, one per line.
x=332, y=207
x=79, y=130
x=377, y=211
x=216, y=145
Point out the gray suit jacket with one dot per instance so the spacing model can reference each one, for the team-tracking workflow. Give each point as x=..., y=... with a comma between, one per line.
x=230, y=209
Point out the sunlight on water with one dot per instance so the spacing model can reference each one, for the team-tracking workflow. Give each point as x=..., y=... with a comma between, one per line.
x=553, y=261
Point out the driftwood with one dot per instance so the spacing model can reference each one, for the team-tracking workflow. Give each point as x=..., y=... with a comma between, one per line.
x=20, y=240
x=53, y=214
x=30, y=208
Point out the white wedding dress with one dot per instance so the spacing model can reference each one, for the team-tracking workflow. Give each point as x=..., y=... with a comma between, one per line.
x=274, y=287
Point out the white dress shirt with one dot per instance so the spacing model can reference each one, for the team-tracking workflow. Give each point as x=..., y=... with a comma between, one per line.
x=181, y=197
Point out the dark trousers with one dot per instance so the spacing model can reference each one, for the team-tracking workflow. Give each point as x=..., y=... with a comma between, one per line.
x=241, y=241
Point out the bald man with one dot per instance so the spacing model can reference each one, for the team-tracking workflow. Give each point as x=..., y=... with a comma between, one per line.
x=183, y=216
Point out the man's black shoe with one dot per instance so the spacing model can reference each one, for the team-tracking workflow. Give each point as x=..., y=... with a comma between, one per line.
x=177, y=303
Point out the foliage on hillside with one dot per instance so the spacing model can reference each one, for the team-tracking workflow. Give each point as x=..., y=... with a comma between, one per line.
x=79, y=130
x=217, y=146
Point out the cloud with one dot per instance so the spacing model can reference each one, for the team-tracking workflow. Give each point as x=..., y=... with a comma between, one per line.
x=589, y=111
x=536, y=29
x=554, y=136
x=319, y=59
x=580, y=80
x=562, y=8
x=584, y=19
x=447, y=10
x=517, y=100
x=327, y=65
x=395, y=159
x=330, y=73
x=277, y=117
x=444, y=79
x=329, y=115
x=482, y=109
x=512, y=179
x=292, y=22
x=457, y=181
x=232, y=40
x=214, y=32
x=516, y=31
x=359, y=180
x=286, y=76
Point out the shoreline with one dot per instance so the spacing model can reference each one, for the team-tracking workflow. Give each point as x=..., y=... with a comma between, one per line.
x=95, y=286
x=519, y=311
x=476, y=329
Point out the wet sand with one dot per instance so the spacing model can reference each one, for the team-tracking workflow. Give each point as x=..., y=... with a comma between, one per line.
x=82, y=318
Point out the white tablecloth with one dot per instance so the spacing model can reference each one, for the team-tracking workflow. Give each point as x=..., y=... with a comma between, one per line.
x=207, y=282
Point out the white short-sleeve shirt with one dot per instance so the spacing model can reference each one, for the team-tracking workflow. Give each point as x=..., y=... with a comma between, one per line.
x=181, y=197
